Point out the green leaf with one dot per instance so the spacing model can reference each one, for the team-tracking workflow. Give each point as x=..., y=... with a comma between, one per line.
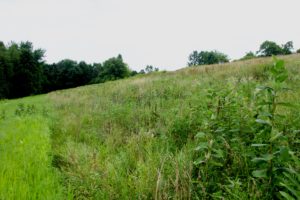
x=261, y=121
x=291, y=189
x=202, y=145
x=259, y=145
x=200, y=135
x=268, y=157
x=281, y=77
x=217, y=164
x=218, y=153
x=264, y=158
x=199, y=161
x=284, y=154
x=286, y=195
x=274, y=135
x=279, y=65
x=260, y=173
x=258, y=160
x=286, y=104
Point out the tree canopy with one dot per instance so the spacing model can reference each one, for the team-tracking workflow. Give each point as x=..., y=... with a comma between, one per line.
x=249, y=55
x=112, y=69
x=23, y=71
x=207, y=58
x=269, y=48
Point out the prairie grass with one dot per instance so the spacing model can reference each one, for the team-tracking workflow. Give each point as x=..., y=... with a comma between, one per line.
x=188, y=134
x=25, y=164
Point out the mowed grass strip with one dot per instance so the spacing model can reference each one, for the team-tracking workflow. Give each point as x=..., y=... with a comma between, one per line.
x=25, y=163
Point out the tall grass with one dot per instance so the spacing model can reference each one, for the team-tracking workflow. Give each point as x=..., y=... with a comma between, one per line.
x=197, y=133
x=25, y=164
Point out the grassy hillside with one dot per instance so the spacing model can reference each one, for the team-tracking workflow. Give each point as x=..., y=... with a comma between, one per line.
x=209, y=132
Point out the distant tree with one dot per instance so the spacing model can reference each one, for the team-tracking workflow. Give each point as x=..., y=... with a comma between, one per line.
x=113, y=69
x=27, y=71
x=23, y=71
x=142, y=71
x=87, y=73
x=4, y=83
x=249, y=55
x=207, y=58
x=298, y=51
x=193, y=59
x=149, y=68
x=133, y=73
x=269, y=48
x=288, y=48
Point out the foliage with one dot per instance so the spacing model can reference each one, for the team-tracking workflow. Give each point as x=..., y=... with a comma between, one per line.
x=67, y=74
x=269, y=48
x=287, y=48
x=20, y=70
x=150, y=69
x=298, y=51
x=112, y=69
x=221, y=132
x=207, y=58
x=249, y=55
x=23, y=71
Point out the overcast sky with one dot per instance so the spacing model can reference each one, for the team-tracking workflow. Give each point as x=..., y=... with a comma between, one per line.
x=161, y=33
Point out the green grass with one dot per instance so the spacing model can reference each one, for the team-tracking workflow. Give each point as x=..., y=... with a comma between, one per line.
x=25, y=165
x=188, y=134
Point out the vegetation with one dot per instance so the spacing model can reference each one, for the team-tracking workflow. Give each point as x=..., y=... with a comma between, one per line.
x=227, y=131
x=269, y=48
x=266, y=49
x=23, y=71
x=207, y=58
x=249, y=55
x=25, y=164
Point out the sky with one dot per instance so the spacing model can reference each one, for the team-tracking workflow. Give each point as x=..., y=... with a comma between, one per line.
x=161, y=33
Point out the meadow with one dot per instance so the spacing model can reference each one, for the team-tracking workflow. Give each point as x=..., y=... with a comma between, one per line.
x=227, y=131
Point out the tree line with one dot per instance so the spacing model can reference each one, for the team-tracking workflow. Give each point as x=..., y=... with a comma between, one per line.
x=24, y=72
x=267, y=48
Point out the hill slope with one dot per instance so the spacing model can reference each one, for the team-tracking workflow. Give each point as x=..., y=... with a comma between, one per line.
x=196, y=133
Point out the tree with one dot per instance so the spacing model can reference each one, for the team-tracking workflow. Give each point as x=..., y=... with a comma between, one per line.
x=27, y=69
x=133, y=73
x=269, y=48
x=149, y=69
x=287, y=48
x=142, y=71
x=23, y=71
x=113, y=69
x=298, y=51
x=249, y=55
x=193, y=59
x=5, y=72
x=207, y=58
